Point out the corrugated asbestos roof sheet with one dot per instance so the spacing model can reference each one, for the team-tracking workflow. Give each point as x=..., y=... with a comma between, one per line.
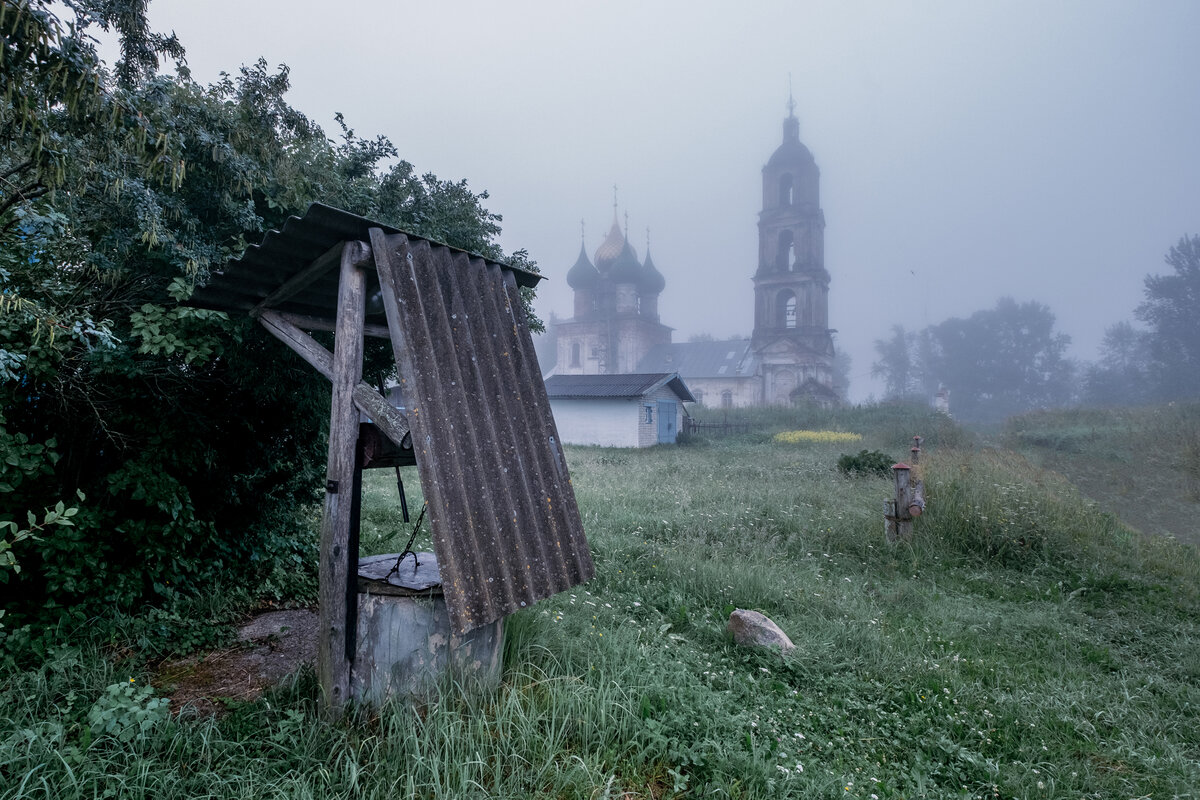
x=615, y=386
x=247, y=281
x=506, y=528
x=728, y=359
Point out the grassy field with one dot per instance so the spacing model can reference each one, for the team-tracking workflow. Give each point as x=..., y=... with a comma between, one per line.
x=1025, y=645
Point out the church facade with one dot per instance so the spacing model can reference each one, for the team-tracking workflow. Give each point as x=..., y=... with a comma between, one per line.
x=789, y=356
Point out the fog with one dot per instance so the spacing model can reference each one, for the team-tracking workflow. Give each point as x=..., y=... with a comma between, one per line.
x=968, y=151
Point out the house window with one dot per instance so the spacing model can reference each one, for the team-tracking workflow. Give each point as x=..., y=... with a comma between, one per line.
x=575, y=354
x=649, y=418
x=726, y=399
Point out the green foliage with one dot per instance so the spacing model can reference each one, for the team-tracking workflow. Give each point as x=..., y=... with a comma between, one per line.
x=198, y=439
x=866, y=462
x=128, y=711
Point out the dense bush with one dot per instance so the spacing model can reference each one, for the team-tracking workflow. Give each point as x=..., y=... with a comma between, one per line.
x=866, y=462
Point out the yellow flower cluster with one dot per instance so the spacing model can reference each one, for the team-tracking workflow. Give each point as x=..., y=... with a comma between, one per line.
x=796, y=437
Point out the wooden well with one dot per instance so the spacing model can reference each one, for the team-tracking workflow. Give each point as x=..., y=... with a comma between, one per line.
x=405, y=646
x=476, y=423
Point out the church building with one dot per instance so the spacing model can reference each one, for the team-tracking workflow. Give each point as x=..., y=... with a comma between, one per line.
x=789, y=356
x=616, y=310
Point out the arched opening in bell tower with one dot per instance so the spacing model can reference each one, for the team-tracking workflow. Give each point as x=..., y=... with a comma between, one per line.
x=785, y=257
x=786, y=309
x=786, y=189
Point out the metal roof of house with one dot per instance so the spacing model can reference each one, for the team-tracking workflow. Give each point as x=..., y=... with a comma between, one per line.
x=505, y=524
x=246, y=282
x=572, y=387
x=728, y=359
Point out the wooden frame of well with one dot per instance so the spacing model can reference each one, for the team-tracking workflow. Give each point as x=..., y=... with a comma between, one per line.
x=505, y=526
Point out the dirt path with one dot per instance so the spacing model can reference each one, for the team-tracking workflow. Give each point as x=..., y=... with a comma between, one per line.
x=269, y=647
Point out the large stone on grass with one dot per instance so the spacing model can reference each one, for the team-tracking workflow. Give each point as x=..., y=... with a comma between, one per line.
x=752, y=629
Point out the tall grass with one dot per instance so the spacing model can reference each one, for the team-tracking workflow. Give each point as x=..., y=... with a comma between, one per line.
x=1024, y=644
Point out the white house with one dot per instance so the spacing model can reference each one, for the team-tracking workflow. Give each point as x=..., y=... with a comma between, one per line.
x=628, y=410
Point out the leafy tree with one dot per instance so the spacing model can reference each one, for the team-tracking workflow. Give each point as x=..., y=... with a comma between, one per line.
x=896, y=363
x=1172, y=312
x=196, y=439
x=1122, y=375
x=903, y=365
x=1001, y=361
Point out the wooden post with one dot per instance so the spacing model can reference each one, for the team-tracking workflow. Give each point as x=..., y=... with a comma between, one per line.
x=333, y=666
x=899, y=520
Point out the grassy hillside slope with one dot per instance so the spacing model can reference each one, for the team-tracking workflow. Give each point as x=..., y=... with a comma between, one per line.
x=1142, y=464
x=1025, y=644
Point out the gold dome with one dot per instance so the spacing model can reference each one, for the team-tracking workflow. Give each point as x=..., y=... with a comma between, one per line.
x=611, y=248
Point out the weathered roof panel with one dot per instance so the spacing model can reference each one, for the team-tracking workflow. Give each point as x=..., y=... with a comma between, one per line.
x=506, y=527
x=615, y=386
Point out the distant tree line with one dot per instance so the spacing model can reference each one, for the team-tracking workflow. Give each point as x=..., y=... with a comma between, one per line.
x=1010, y=359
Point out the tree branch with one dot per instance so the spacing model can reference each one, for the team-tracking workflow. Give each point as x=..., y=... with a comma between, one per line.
x=30, y=192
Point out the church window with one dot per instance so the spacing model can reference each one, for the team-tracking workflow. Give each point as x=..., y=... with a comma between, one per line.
x=726, y=399
x=785, y=189
x=786, y=309
x=699, y=395
x=575, y=354
x=785, y=258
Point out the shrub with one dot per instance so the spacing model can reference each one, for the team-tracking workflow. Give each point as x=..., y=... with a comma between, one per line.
x=127, y=711
x=866, y=462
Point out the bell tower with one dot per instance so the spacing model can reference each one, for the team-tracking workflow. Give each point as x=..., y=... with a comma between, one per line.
x=791, y=286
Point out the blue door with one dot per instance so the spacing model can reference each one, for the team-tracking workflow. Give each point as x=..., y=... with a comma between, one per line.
x=666, y=421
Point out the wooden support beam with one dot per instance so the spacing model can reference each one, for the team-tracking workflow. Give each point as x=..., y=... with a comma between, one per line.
x=313, y=272
x=390, y=421
x=333, y=667
x=307, y=323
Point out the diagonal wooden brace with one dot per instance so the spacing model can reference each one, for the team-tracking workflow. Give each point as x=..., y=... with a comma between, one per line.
x=390, y=421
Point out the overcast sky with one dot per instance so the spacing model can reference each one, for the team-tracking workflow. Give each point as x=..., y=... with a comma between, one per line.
x=1045, y=150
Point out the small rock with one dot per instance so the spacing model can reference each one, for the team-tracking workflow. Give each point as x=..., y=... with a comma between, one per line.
x=752, y=629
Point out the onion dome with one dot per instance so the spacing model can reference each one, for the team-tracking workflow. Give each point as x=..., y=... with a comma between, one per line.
x=653, y=281
x=583, y=275
x=611, y=248
x=626, y=269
